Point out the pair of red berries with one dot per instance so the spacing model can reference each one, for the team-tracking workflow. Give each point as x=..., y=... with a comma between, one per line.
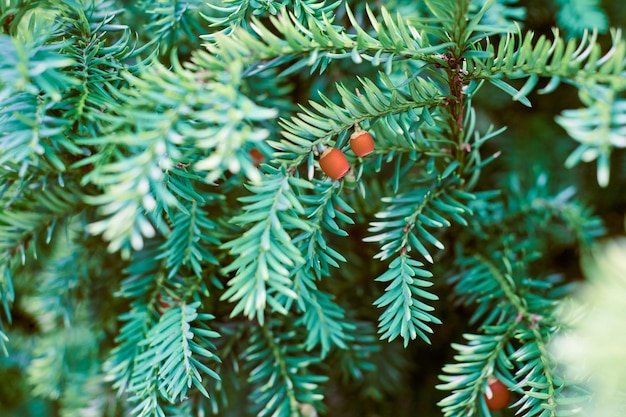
x=335, y=164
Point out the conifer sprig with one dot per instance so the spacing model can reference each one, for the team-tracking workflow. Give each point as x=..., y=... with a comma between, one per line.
x=266, y=254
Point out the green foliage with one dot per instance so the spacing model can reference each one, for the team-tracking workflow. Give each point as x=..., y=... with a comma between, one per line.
x=580, y=62
x=265, y=253
x=581, y=15
x=598, y=128
x=277, y=368
x=503, y=13
x=230, y=14
x=170, y=22
x=323, y=318
x=405, y=315
x=171, y=246
x=172, y=362
x=515, y=309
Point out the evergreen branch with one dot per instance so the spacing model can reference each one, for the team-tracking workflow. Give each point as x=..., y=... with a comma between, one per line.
x=194, y=114
x=402, y=226
x=237, y=13
x=312, y=128
x=318, y=43
x=405, y=315
x=98, y=60
x=33, y=135
x=279, y=373
x=506, y=283
x=188, y=186
x=510, y=306
x=153, y=145
x=128, y=198
x=149, y=404
x=481, y=284
x=144, y=275
x=119, y=366
x=323, y=207
x=482, y=357
x=536, y=373
x=599, y=127
x=98, y=137
x=323, y=318
x=33, y=64
x=266, y=255
x=187, y=245
x=197, y=114
x=359, y=359
x=175, y=346
x=39, y=130
x=463, y=22
x=162, y=360
x=170, y=20
x=577, y=61
x=372, y=364
x=38, y=210
x=498, y=284
x=527, y=214
x=452, y=16
x=400, y=229
x=577, y=218
x=230, y=345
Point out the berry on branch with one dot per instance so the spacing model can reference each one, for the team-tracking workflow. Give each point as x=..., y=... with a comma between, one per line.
x=334, y=163
x=362, y=143
x=257, y=156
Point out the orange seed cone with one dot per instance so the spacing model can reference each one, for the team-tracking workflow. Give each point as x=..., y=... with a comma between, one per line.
x=500, y=395
x=362, y=143
x=334, y=163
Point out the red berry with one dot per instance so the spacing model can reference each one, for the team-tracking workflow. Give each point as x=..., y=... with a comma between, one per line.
x=500, y=395
x=163, y=304
x=334, y=163
x=362, y=143
x=257, y=156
